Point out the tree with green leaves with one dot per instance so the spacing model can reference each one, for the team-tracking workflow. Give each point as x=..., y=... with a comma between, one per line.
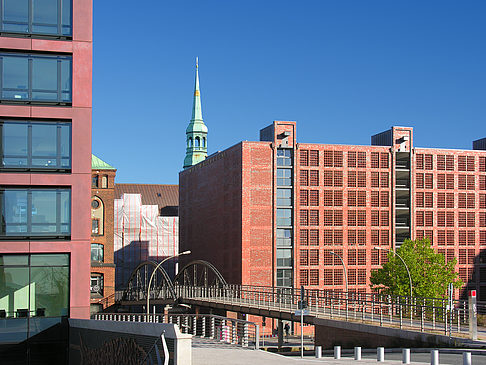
x=430, y=272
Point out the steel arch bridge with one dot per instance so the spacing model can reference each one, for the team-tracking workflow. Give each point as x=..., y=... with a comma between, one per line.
x=196, y=273
x=200, y=273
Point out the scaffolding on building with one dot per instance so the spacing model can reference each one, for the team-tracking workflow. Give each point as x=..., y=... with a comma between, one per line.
x=141, y=234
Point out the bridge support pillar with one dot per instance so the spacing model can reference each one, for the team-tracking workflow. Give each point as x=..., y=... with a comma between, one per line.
x=234, y=337
x=211, y=336
x=203, y=327
x=280, y=333
x=244, y=340
x=186, y=325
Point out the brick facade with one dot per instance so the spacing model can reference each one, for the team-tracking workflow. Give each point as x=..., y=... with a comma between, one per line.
x=103, y=190
x=346, y=199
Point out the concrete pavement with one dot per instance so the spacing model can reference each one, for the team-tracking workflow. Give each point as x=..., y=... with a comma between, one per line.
x=210, y=352
x=207, y=352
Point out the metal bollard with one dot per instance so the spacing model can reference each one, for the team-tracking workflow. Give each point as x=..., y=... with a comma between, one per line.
x=318, y=350
x=337, y=352
x=434, y=357
x=406, y=356
x=357, y=353
x=380, y=354
x=466, y=358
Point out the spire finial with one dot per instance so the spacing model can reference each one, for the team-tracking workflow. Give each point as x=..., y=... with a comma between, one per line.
x=197, y=62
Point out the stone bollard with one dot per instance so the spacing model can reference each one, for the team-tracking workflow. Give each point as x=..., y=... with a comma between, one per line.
x=466, y=358
x=337, y=352
x=318, y=350
x=406, y=356
x=357, y=353
x=434, y=357
x=380, y=354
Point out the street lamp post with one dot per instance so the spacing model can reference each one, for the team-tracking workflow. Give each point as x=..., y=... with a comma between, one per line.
x=152, y=276
x=346, y=280
x=406, y=267
x=345, y=272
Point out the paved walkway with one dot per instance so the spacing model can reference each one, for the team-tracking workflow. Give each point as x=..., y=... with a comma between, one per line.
x=210, y=352
x=206, y=352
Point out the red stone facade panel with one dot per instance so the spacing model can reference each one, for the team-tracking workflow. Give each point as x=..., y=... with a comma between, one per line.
x=78, y=180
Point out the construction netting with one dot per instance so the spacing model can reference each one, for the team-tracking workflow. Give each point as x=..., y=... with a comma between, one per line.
x=140, y=234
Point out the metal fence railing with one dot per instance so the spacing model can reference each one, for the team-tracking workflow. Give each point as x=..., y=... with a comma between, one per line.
x=424, y=314
x=227, y=330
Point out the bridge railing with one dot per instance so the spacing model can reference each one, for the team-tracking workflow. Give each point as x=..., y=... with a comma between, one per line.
x=424, y=314
x=228, y=330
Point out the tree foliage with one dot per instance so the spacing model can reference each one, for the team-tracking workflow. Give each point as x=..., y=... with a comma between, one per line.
x=430, y=272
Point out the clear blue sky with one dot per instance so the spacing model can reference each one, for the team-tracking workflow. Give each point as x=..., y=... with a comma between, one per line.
x=344, y=70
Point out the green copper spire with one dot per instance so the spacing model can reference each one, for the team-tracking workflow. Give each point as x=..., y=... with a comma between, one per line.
x=196, y=131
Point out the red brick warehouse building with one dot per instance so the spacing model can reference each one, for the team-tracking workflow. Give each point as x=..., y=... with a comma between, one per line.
x=45, y=154
x=271, y=212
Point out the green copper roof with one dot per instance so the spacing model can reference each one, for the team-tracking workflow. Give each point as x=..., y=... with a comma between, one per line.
x=196, y=132
x=99, y=164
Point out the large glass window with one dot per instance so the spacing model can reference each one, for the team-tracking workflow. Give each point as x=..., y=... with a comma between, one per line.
x=42, y=17
x=97, y=252
x=284, y=257
x=36, y=78
x=34, y=286
x=284, y=277
x=284, y=197
x=284, y=177
x=284, y=157
x=284, y=217
x=29, y=145
x=284, y=236
x=35, y=212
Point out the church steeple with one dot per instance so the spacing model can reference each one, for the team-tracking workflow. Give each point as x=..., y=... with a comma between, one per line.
x=196, y=131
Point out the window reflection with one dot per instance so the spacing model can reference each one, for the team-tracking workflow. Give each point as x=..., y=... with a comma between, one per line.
x=284, y=217
x=43, y=17
x=284, y=197
x=97, y=252
x=35, y=212
x=284, y=177
x=284, y=257
x=39, y=288
x=35, y=145
x=284, y=236
x=284, y=157
x=36, y=77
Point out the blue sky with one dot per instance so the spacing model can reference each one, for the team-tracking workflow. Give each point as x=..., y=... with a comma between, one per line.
x=343, y=70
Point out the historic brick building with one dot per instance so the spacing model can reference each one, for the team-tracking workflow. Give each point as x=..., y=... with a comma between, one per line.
x=271, y=212
x=102, y=284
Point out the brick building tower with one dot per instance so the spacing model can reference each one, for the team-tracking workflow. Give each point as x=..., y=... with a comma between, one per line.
x=102, y=284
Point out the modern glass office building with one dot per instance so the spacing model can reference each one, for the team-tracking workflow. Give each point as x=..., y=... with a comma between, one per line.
x=45, y=171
